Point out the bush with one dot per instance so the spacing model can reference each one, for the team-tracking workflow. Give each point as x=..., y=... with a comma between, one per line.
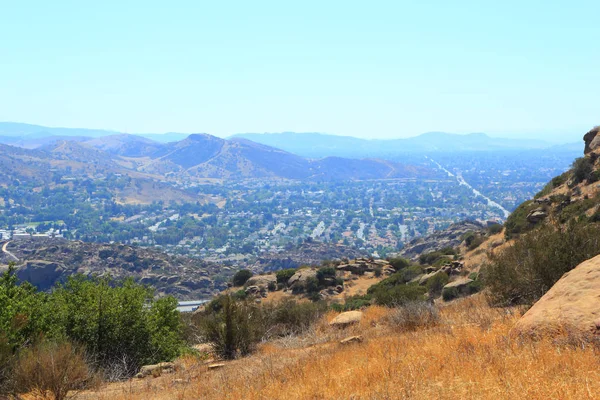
x=414, y=315
x=230, y=331
x=524, y=271
x=241, y=277
x=398, y=295
x=399, y=278
x=399, y=263
x=353, y=303
x=236, y=328
x=118, y=322
x=284, y=275
x=517, y=223
x=433, y=257
x=494, y=229
x=324, y=273
x=472, y=240
x=51, y=368
x=312, y=285
x=582, y=169
x=554, y=183
x=436, y=283
x=450, y=293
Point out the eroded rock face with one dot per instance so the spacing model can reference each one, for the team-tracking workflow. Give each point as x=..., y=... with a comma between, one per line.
x=572, y=305
x=41, y=274
x=592, y=140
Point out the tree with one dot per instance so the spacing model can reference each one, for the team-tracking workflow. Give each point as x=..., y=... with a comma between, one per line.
x=241, y=277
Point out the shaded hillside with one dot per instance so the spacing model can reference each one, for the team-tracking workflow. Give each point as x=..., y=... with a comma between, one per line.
x=308, y=253
x=46, y=262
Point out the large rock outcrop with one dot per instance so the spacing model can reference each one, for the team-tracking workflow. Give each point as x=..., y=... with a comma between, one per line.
x=571, y=306
x=592, y=140
x=449, y=237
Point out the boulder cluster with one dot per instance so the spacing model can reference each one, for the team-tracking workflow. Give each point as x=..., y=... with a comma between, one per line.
x=360, y=266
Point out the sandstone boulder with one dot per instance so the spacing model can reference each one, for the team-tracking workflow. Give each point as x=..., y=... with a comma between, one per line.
x=156, y=369
x=536, y=215
x=301, y=276
x=592, y=140
x=262, y=280
x=347, y=318
x=571, y=305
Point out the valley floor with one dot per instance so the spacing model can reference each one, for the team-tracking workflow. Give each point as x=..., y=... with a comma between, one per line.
x=468, y=354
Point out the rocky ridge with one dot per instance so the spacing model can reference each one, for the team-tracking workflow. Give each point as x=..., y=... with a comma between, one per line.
x=46, y=262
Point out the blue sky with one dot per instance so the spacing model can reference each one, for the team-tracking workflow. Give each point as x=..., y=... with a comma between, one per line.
x=372, y=69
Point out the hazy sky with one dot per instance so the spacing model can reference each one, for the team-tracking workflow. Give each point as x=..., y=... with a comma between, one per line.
x=362, y=68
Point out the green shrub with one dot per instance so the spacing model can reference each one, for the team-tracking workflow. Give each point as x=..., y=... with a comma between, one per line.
x=436, y=283
x=241, y=277
x=399, y=263
x=284, y=275
x=237, y=326
x=398, y=295
x=116, y=321
x=554, y=183
x=524, y=271
x=230, y=331
x=353, y=303
x=450, y=293
x=324, y=273
x=517, y=223
x=494, y=229
x=582, y=169
x=577, y=210
x=472, y=240
x=398, y=278
x=433, y=257
x=312, y=285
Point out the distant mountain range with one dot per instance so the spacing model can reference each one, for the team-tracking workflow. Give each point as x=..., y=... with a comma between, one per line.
x=19, y=133
x=197, y=156
x=320, y=145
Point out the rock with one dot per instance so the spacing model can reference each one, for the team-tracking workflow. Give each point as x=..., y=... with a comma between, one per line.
x=216, y=366
x=351, y=339
x=252, y=290
x=459, y=286
x=203, y=348
x=347, y=318
x=262, y=280
x=571, y=305
x=41, y=274
x=164, y=367
x=536, y=215
x=339, y=288
x=592, y=140
x=449, y=237
x=201, y=282
x=301, y=276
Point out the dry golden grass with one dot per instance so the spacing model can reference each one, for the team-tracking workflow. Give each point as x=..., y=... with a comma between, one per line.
x=468, y=355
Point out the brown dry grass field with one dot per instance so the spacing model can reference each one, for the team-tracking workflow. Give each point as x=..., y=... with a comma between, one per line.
x=468, y=355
